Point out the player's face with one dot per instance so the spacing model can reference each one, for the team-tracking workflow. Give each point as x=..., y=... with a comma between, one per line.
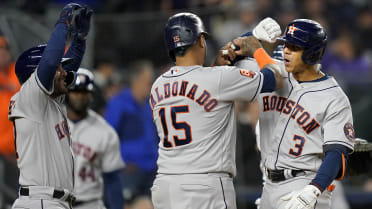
x=293, y=58
x=79, y=100
x=60, y=86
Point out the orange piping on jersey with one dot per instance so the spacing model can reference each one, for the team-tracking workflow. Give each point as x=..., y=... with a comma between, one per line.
x=331, y=187
x=262, y=58
x=343, y=168
x=66, y=48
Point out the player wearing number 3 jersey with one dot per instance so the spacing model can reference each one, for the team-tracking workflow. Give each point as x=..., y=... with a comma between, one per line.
x=193, y=109
x=306, y=128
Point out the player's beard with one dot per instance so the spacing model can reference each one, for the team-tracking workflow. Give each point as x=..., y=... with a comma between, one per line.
x=59, y=87
x=80, y=107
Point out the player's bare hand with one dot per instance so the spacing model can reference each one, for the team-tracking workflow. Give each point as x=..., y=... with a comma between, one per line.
x=247, y=45
x=267, y=30
x=225, y=55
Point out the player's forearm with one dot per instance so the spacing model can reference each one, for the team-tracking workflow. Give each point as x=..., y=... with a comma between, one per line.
x=76, y=51
x=266, y=62
x=333, y=166
x=52, y=56
x=113, y=190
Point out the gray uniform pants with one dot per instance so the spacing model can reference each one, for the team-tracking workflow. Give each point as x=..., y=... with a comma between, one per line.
x=190, y=191
x=272, y=192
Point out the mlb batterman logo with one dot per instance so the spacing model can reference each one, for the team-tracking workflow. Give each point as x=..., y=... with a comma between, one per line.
x=349, y=131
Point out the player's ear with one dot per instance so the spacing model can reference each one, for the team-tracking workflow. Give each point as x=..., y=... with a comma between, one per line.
x=201, y=41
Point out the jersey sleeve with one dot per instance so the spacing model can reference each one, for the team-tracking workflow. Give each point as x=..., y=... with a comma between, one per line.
x=30, y=102
x=251, y=64
x=239, y=84
x=112, y=158
x=338, y=123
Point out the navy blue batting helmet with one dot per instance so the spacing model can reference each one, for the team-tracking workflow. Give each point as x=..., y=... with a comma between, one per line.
x=183, y=29
x=84, y=81
x=28, y=61
x=309, y=35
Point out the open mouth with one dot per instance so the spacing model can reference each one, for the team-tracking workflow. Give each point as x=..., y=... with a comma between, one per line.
x=286, y=62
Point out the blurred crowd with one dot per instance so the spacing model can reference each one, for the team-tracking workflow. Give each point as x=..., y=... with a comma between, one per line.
x=129, y=52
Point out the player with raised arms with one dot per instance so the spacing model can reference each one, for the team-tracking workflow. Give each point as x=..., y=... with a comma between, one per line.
x=38, y=113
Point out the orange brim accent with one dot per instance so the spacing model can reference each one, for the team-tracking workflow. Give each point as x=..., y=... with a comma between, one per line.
x=262, y=58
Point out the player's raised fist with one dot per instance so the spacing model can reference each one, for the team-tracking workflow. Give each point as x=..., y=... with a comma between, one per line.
x=225, y=55
x=267, y=30
x=82, y=22
x=67, y=13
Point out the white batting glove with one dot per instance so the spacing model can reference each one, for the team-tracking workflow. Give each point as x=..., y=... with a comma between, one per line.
x=302, y=199
x=267, y=30
x=258, y=203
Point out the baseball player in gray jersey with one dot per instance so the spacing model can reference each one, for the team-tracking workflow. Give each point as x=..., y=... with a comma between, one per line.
x=193, y=109
x=38, y=112
x=96, y=148
x=306, y=128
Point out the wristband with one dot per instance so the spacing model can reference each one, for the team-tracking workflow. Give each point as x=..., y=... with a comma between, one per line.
x=262, y=58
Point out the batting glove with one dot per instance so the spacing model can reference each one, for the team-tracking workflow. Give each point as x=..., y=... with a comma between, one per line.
x=258, y=203
x=67, y=13
x=82, y=22
x=267, y=30
x=303, y=199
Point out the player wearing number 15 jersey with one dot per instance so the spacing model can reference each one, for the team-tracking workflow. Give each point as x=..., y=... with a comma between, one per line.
x=193, y=109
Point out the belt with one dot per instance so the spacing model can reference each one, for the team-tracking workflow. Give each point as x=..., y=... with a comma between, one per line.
x=281, y=175
x=56, y=194
x=79, y=202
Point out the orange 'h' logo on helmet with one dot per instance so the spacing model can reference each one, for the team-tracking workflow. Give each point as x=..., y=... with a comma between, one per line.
x=291, y=29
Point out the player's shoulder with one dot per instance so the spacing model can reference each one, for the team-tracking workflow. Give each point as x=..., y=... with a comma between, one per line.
x=220, y=68
x=335, y=92
x=99, y=122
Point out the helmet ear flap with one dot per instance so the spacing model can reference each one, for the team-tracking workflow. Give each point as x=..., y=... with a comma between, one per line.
x=314, y=54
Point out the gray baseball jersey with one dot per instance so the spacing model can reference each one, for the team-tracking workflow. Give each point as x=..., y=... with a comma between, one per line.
x=96, y=149
x=299, y=119
x=42, y=137
x=193, y=109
